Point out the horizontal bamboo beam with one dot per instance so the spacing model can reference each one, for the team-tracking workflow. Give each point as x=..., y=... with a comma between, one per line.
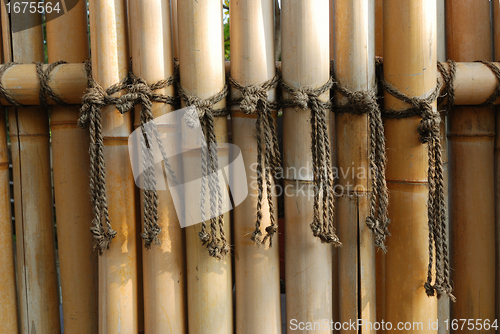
x=474, y=83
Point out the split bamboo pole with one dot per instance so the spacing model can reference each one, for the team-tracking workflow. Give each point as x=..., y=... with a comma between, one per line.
x=355, y=69
x=335, y=250
x=471, y=141
x=443, y=303
x=164, y=264
x=257, y=268
x=118, y=310
x=380, y=256
x=29, y=133
x=8, y=295
x=410, y=66
x=305, y=61
x=175, y=28
x=202, y=74
x=496, y=31
x=67, y=39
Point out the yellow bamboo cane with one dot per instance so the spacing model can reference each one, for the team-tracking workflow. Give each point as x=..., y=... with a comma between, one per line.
x=118, y=274
x=67, y=39
x=471, y=138
x=410, y=66
x=257, y=268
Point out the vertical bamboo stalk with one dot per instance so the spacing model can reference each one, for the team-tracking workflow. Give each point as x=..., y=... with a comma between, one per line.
x=8, y=295
x=305, y=61
x=29, y=132
x=175, y=28
x=118, y=265
x=471, y=138
x=443, y=303
x=202, y=74
x=380, y=256
x=257, y=268
x=410, y=66
x=335, y=250
x=164, y=267
x=67, y=39
x=496, y=32
x=355, y=69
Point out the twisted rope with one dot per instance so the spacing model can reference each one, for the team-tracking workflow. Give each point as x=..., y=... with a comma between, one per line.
x=429, y=131
x=139, y=92
x=45, y=89
x=3, y=92
x=308, y=98
x=254, y=100
x=365, y=102
x=215, y=239
x=93, y=101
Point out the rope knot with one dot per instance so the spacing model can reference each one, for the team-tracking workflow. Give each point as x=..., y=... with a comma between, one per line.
x=428, y=128
x=302, y=96
x=93, y=99
x=251, y=96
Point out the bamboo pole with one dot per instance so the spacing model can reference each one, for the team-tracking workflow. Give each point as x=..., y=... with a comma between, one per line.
x=471, y=139
x=8, y=295
x=474, y=83
x=443, y=303
x=410, y=66
x=355, y=69
x=118, y=265
x=202, y=74
x=67, y=39
x=175, y=28
x=163, y=265
x=305, y=61
x=496, y=31
x=335, y=251
x=257, y=268
x=29, y=133
x=380, y=256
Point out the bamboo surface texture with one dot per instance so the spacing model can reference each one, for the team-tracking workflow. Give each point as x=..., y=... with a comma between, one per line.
x=209, y=284
x=471, y=137
x=410, y=66
x=118, y=274
x=164, y=264
x=67, y=39
x=29, y=133
x=8, y=295
x=256, y=268
x=308, y=262
x=496, y=31
x=354, y=55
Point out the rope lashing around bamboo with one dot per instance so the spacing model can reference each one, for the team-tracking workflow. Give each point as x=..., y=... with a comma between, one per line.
x=140, y=92
x=93, y=101
x=3, y=92
x=308, y=98
x=217, y=245
x=359, y=103
x=429, y=131
x=254, y=100
x=45, y=90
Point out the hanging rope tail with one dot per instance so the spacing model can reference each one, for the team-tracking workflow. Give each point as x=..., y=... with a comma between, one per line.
x=254, y=100
x=429, y=131
x=308, y=98
x=365, y=102
x=93, y=101
x=215, y=240
x=140, y=92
